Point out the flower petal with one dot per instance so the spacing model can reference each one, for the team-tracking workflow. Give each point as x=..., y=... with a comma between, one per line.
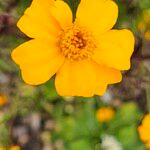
x=144, y=133
x=98, y=15
x=107, y=74
x=37, y=21
x=34, y=51
x=39, y=61
x=83, y=78
x=39, y=74
x=115, y=49
x=62, y=13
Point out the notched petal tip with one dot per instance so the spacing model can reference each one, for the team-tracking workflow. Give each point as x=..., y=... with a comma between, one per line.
x=101, y=90
x=118, y=52
x=62, y=13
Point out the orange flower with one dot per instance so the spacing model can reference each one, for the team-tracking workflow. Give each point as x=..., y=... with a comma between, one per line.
x=3, y=100
x=144, y=25
x=144, y=130
x=147, y=35
x=105, y=114
x=15, y=148
x=11, y=148
x=86, y=54
x=2, y=148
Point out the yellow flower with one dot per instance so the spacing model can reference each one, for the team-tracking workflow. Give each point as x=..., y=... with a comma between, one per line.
x=144, y=25
x=86, y=54
x=3, y=100
x=105, y=114
x=2, y=148
x=144, y=130
x=147, y=16
x=147, y=35
x=11, y=148
x=15, y=148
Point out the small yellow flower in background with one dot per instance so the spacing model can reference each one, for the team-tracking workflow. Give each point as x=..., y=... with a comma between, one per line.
x=144, y=130
x=11, y=148
x=15, y=148
x=86, y=54
x=2, y=148
x=144, y=25
x=3, y=100
x=105, y=114
x=147, y=35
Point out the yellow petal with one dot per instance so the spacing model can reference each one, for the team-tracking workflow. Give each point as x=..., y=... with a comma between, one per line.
x=107, y=74
x=82, y=78
x=146, y=121
x=144, y=133
x=76, y=79
x=37, y=21
x=39, y=61
x=62, y=13
x=115, y=49
x=98, y=15
x=45, y=4
x=35, y=51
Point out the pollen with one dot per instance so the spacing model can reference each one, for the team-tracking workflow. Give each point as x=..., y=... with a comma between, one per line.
x=76, y=42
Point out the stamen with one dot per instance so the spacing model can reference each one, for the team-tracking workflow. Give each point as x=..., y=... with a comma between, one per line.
x=76, y=42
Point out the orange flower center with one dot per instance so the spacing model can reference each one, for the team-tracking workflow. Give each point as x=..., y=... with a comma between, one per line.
x=76, y=42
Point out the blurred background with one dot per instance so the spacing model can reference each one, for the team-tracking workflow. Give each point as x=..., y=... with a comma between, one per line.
x=36, y=118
